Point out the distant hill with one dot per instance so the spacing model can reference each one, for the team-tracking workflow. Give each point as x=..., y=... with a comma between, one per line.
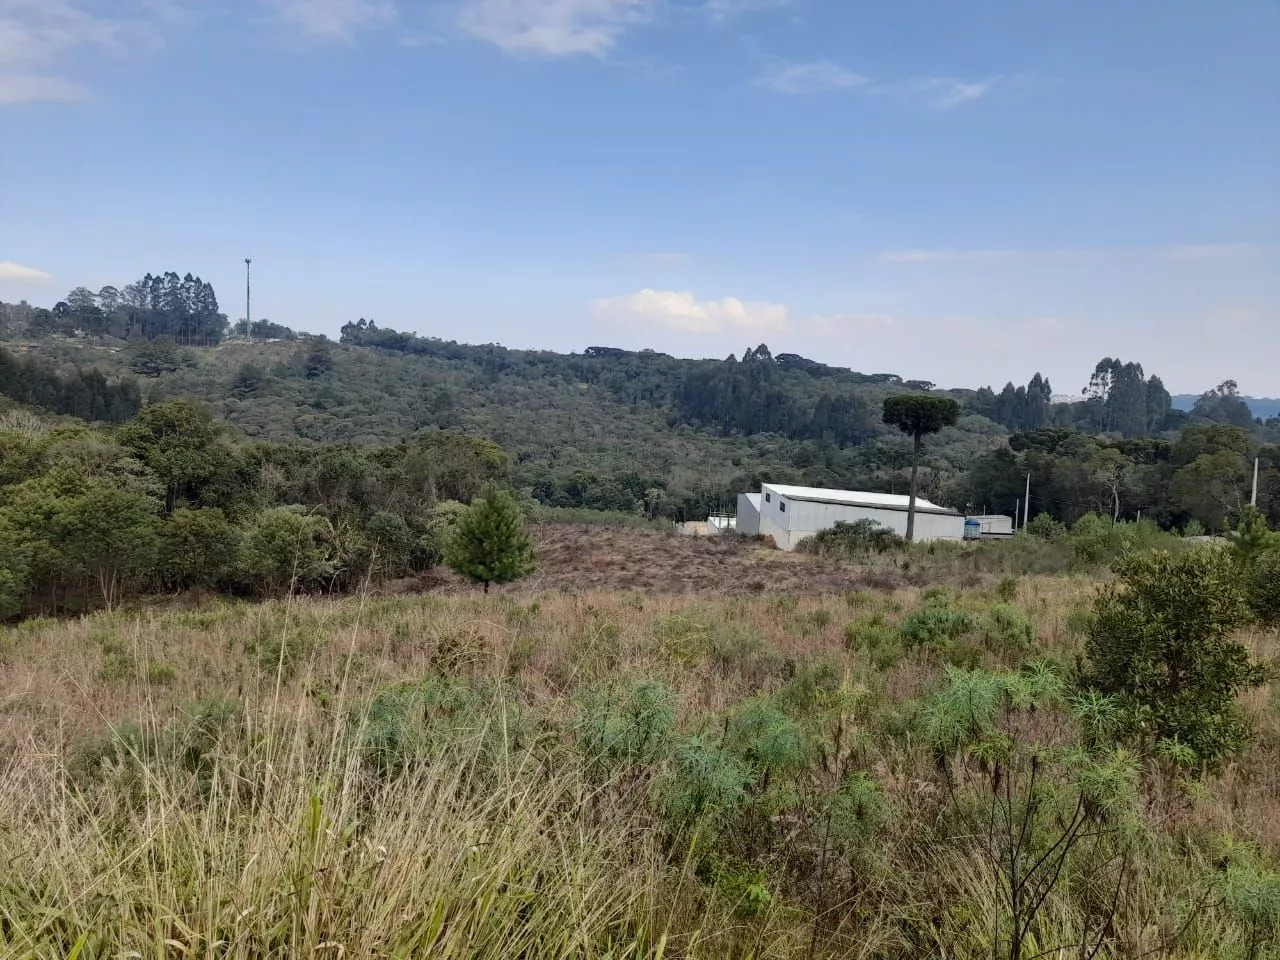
x=1264, y=407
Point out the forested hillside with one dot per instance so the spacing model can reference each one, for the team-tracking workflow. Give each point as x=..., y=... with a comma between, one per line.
x=643, y=432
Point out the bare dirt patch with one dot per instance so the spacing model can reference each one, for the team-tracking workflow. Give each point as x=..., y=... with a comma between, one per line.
x=581, y=559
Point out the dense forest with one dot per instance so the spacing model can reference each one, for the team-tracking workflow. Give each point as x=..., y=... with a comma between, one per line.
x=143, y=406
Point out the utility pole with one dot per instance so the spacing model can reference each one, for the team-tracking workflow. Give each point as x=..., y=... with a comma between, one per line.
x=1017, y=512
x=1253, y=500
x=1026, y=504
x=248, y=316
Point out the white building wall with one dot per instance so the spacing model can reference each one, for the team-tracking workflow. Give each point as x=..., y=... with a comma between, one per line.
x=804, y=518
x=995, y=523
x=748, y=516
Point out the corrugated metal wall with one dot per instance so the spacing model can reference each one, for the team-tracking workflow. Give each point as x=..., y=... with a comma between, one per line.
x=803, y=518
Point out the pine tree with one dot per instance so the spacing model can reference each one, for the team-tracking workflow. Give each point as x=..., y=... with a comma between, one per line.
x=489, y=544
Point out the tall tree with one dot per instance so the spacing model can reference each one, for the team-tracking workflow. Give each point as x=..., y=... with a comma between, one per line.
x=919, y=416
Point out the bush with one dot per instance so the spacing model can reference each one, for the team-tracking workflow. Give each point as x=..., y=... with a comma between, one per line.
x=1007, y=629
x=1263, y=581
x=284, y=548
x=1043, y=527
x=635, y=727
x=1162, y=641
x=932, y=626
x=198, y=548
x=855, y=539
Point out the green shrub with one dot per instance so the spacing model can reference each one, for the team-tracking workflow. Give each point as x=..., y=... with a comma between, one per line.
x=160, y=674
x=118, y=666
x=745, y=652
x=1263, y=586
x=867, y=633
x=851, y=540
x=1162, y=641
x=1043, y=527
x=933, y=626
x=284, y=548
x=765, y=738
x=1007, y=630
x=634, y=726
x=705, y=782
x=881, y=641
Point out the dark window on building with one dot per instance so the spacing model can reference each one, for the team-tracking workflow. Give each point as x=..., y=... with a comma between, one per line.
x=768, y=498
x=782, y=505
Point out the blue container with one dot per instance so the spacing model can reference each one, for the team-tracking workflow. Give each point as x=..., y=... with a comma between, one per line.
x=972, y=529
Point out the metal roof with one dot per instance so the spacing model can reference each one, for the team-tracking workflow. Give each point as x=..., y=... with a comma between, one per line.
x=857, y=498
x=753, y=499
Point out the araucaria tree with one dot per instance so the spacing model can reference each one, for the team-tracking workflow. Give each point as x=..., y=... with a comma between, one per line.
x=918, y=416
x=489, y=544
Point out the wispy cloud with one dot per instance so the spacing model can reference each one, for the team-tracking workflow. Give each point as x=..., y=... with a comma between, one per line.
x=554, y=28
x=722, y=10
x=1178, y=252
x=663, y=258
x=38, y=37
x=820, y=76
x=942, y=93
x=682, y=311
x=34, y=87
x=16, y=271
x=333, y=20
x=949, y=256
x=816, y=77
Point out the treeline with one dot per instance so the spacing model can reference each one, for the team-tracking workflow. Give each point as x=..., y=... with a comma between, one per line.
x=83, y=393
x=1120, y=399
x=750, y=396
x=1200, y=482
x=182, y=308
x=173, y=501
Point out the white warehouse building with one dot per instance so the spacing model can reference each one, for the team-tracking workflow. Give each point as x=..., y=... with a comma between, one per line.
x=789, y=514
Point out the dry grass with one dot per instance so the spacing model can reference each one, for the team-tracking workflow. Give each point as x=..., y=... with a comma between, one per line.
x=182, y=783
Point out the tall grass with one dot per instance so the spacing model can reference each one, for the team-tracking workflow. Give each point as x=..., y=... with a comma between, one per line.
x=604, y=776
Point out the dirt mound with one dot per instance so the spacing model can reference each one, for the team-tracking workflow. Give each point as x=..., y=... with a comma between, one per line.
x=579, y=559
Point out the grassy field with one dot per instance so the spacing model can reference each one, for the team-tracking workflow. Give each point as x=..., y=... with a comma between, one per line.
x=610, y=775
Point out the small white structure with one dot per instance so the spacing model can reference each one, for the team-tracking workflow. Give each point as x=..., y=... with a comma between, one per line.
x=789, y=514
x=989, y=526
x=749, y=514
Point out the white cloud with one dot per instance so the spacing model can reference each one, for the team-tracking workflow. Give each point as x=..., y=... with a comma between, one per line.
x=816, y=77
x=557, y=28
x=37, y=37
x=682, y=311
x=820, y=76
x=333, y=19
x=943, y=92
x=34, y=87
x=18, y=273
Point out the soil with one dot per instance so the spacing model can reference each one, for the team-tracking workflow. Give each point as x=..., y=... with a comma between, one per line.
x=582, y=559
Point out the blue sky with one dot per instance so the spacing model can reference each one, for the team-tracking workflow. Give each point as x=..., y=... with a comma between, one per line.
x=967, y=192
